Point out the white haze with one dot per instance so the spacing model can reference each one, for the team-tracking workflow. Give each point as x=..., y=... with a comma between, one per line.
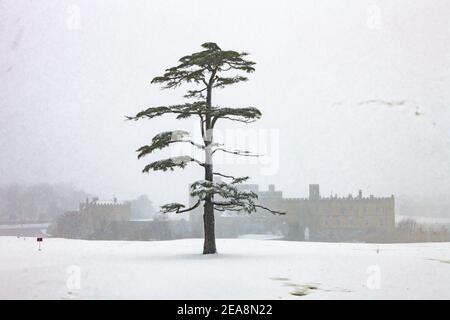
x=65, y=92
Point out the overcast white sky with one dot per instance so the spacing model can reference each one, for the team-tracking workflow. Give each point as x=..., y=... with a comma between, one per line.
x=66, y=86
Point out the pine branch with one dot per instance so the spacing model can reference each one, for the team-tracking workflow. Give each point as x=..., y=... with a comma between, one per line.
x=245, y=115
x=246, y=205
x=199, y=108
x=221, y=82
x=237, y=120
x=237, y=152
x=196, y=93
x=203, y=188
x=164, y=139
x=177, y=207
x=270, y=210
x=240, y=206
x=234, y=199
x=176, y=76
x=171, y=163
x=182, y=110
x=235, y=180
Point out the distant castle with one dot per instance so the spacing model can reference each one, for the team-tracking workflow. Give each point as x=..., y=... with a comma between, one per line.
x=105, y=211
x=315, y=218
x=94, y=220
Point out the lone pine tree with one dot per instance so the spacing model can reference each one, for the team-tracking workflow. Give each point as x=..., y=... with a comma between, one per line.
x=206, y=70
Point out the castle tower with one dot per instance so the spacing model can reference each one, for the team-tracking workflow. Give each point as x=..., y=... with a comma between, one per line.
x=314, y=192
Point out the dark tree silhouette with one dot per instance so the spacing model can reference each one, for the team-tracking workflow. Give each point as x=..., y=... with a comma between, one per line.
x=208, y=69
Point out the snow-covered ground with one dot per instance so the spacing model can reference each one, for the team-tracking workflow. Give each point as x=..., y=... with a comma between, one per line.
x=244, y=269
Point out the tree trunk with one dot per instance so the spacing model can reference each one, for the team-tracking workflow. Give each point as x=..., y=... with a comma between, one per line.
x=209, y=245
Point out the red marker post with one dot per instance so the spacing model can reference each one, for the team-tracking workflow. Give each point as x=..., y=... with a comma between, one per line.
x=39, y=240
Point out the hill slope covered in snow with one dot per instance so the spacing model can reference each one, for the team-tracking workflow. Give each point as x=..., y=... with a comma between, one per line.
x=244, y=269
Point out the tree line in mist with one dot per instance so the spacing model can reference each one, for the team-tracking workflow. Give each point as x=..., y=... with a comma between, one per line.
x=45, y=202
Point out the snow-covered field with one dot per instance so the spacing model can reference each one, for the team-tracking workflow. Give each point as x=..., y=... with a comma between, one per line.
x=244, y=269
